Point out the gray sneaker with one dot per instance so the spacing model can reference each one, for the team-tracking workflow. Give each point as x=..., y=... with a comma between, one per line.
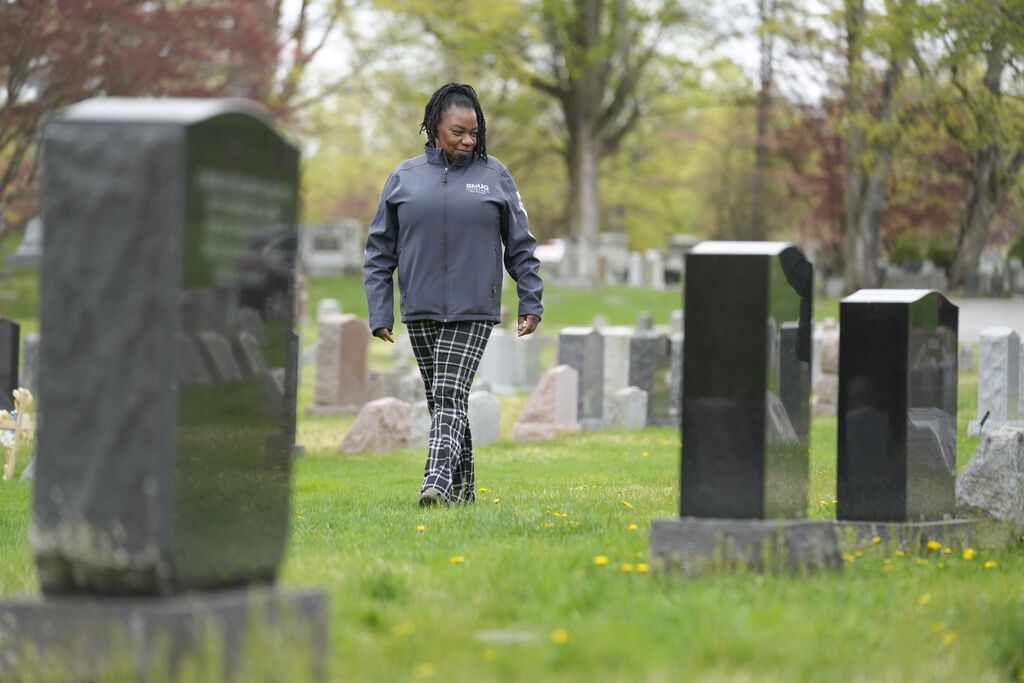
x=432, y=496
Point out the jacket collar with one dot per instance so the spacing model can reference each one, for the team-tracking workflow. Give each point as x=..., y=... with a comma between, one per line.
x=436, y=155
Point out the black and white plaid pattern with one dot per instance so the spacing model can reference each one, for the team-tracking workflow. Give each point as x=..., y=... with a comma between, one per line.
x=448, y=355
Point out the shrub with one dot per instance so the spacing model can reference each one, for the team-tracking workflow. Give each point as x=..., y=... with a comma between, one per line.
x=941, y=250
x=905, y=249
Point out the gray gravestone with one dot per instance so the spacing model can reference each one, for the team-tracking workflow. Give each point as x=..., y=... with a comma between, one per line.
x=484, y=417
x=327, y=307
x=582, y=348
x=163, y=218
x=616, y=341
x=998, y=380
x=626, y=409
x=527, y=361
x=650, y=355
x=9, y=349
x=644, y=322
x=29, y=376
x=497, y=365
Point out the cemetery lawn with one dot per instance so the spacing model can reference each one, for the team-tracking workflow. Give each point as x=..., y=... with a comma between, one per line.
x=548, y=576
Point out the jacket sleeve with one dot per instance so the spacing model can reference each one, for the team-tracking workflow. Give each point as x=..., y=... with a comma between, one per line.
x=519, y=243
x=380, y=260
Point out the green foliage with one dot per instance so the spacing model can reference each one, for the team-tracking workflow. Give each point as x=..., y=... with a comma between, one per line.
x=941, y=250
x=1017, y=245
x=905, y=249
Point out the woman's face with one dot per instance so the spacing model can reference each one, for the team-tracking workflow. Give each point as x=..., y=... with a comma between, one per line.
x=456, y=134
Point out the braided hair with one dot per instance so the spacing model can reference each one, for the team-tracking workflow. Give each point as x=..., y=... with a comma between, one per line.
x=454, y=95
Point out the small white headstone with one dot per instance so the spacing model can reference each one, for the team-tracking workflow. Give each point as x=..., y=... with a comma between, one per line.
x=484, y=417
x=627, y=409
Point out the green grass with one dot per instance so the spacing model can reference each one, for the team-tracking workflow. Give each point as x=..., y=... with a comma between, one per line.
x=508, y=589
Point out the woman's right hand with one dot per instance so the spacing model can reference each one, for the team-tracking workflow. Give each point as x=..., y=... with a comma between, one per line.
x=383, y=333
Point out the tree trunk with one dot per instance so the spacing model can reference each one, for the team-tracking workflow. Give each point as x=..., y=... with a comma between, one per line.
x=756, y=229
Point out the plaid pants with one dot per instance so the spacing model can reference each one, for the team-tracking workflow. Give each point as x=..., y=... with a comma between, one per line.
x=448, y=355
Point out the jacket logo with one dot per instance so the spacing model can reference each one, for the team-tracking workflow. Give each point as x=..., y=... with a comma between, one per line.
x=479, y=188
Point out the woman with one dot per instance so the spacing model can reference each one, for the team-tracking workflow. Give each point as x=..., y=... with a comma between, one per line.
x=444, y=220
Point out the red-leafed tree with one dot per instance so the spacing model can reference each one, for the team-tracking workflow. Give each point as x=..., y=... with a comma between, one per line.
x=56, y=52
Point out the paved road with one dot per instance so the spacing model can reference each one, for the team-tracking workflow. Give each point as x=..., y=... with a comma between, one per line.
x=977, y=314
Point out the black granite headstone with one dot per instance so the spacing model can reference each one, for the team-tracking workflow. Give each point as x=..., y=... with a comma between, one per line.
x=897, y=406
x=10, y=333
x=742, y=457
x=163, y=218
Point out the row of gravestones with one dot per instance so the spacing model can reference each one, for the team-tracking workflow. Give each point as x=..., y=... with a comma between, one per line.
x=744, y=454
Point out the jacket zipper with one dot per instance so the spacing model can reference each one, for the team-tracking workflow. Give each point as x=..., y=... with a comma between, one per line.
x=444, y=245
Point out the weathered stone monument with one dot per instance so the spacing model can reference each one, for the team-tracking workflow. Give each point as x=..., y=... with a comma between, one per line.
x=999, y=381
x=341, y=349
x=10, y=333
x=161, y=508
x=551, y=408
x=744, y=472
x=897, y=406
x=582, y=348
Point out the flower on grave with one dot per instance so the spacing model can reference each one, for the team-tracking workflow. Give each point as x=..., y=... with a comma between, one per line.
x=933, y=545
x=560, y=636
x=969, y=554
x=990, y=564
x=601, y=560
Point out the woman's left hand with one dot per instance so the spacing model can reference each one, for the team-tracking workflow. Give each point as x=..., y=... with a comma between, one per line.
x=527, y=324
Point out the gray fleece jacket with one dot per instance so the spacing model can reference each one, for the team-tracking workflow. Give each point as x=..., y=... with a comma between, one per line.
x=447, y=228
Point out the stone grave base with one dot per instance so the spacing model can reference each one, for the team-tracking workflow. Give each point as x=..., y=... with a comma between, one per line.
x=697, y=545
x=951, y=533
x=78, y=638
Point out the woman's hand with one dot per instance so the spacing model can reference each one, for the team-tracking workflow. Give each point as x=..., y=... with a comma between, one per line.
x=383, y=333
x=527, y=324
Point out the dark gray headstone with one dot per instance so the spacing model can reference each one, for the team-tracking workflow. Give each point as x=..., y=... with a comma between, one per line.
x=582, y=348
x=741, y=457
x=163, y=218
x=897, y=406
x=10, y=332
x=650, y=358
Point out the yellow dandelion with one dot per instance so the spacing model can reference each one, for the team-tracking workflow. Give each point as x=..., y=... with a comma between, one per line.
x=489, y=655
x=559, y=636
x=859, y=553
x=834, y=501
x=644, y=454
x=941, y=565
x=876, y=539
x=601, y=559
x=626, y=567
x=632, y=527
x=496, y=500
x=990, y=564
x=933, y=545
x=924, y=599
x=921, y=560
x=887, y=560
x=425, y=670
x=937, y=627
x=947, y=551
x=969, y=554
x=627, y=504
x=823, y=502
x=421, y=528
x=900, y=553
x=547, y=525
x=485, y=490
x=847, y=557
x=948, y=638
x=402, y=629
x=458, y=559
x=642, y=568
